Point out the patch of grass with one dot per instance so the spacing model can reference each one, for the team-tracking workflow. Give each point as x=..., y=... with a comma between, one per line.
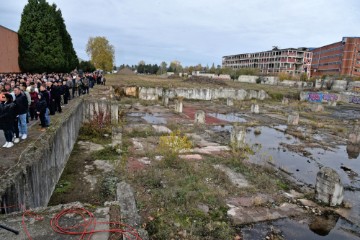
x=89, y=133
x=63, y=186
x=143, y=133
x=108, y=153
x=276, y=96
x=172, y=193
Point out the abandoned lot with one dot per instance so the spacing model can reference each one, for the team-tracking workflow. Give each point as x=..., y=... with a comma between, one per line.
x=192, y=181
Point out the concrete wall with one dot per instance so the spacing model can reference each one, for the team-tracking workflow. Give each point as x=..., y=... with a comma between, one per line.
x=247, y=79
x=201, y=93
x=9, y=51
x=346, y=97
x=272, y=80
x=32, y=182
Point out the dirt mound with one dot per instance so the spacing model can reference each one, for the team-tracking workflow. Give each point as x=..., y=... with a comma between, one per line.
x=206, y=80
x=126, y=71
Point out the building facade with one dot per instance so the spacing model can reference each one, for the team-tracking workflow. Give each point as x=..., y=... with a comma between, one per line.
x=9, y=51
x=290, y=60
x=340, y=58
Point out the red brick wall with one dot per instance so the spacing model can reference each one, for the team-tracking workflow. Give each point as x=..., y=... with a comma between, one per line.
x=9, y=52
x=340, y=58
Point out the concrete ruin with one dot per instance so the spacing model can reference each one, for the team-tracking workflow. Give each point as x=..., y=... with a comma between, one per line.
x=293, y=119
x=207, y=94
x=229, y=102
x=33, y=182
x=255, y=109
x=199, y=117
x=237, y=137
x=179, y=105
x=329, y=189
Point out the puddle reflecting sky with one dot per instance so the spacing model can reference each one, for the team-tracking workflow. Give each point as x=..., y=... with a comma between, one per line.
x=230, y=117
x=149, y=118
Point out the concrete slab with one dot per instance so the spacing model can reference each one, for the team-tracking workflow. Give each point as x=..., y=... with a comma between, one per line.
x=161, y=129
x=237, y=179
x=40, y=229
x=243, y=215
x=191, y=157
x=90, y=146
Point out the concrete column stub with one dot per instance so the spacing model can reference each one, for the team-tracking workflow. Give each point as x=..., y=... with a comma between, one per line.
x=200, y=117
x=329, y=188
x=237, y=137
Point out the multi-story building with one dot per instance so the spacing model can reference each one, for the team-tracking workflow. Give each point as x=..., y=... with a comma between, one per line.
x=340, y=58
x=9, y=51
x=289, y=60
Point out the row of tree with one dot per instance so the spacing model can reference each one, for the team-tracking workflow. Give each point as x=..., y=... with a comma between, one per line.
x=176, y=67
x=44, y=43
x=46, y=46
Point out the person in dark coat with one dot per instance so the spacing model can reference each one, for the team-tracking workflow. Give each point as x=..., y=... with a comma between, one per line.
x=41, y=106
x=7, y=119
x=46, y=95
x=66, y=91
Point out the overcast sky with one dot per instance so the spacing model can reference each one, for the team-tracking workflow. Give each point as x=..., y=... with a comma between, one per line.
x=198, y=31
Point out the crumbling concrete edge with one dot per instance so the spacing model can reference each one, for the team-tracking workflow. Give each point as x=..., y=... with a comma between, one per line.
x=128, y=210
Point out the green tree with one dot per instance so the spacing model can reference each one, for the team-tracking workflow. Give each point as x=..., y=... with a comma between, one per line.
x=102, y=53
x=212, y=69
x=163, y=68
x=44, y=43
x=86, y=66
x=175, y=66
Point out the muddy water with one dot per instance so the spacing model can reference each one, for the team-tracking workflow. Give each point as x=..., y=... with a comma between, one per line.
x=304, y=168
x=229, y=117
x=290, y=229
x=149, y=118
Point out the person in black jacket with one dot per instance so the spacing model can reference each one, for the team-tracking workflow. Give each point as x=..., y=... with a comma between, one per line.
x=7, y=119
x=66, y=90
x=46, y=95
x=56, y=94
x=41, y=106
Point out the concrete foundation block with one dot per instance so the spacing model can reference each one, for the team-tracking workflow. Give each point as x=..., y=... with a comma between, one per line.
x=230, y=102
x=178, y=106
x=317, y=108
x=199, y=117
x=285, y=101
x=165, y=101
x=237, y=137
x=255, y=109
x=114, y=113
x=329, y=189
x=293, y=118
x=354, y=135
x=332, y=103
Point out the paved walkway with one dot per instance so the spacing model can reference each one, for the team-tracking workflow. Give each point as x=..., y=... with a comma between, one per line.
x=9, y=157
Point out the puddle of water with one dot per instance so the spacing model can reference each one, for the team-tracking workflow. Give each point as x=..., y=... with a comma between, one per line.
x=222, y=128
x=155, y=119
x=337, y=158
x=291, y=229
x=230, y=117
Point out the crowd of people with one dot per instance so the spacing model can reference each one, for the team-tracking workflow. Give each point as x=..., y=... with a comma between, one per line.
x=32, y=97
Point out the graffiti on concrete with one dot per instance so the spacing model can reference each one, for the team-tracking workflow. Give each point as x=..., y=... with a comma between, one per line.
x=330, y=97
x=315, y=97
x=354, y=99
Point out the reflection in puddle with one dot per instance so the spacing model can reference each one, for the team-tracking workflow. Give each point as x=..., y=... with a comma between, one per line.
x=222, y=128
x=149, y=118
x=330, y=228
x=230, y=117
